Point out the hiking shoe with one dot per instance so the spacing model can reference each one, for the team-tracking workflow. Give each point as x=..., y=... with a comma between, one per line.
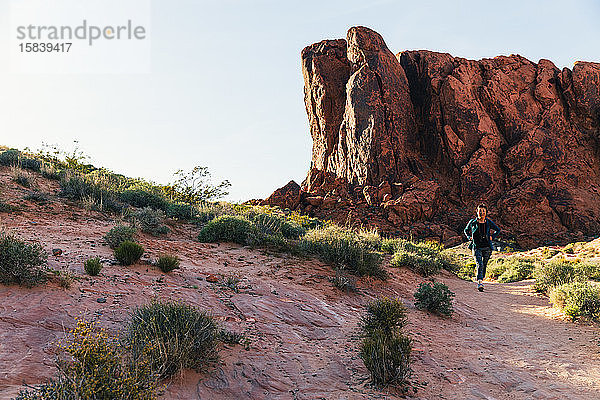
x=480, y=287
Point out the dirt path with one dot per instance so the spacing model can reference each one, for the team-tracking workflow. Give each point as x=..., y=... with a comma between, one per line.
x=507, y=343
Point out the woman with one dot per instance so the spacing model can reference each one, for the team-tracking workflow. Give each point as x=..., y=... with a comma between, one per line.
x=478, y=232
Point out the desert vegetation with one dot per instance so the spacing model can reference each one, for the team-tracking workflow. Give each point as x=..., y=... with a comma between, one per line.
x=21, y=263
x=160, y=340
x=384, y=349
x=434, y=297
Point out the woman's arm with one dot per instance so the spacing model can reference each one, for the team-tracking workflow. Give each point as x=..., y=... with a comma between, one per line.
x=467, y=230
x=495, y=228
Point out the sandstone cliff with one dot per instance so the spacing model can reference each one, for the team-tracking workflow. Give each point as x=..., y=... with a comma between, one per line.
x=412, y=142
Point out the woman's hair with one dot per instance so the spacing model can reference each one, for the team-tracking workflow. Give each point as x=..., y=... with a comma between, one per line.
x=481, y=205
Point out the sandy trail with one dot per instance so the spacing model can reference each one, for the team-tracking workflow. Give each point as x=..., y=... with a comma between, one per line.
x=505, y=343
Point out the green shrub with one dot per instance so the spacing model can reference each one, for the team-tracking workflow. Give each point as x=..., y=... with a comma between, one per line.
x=21, y=177
x=271, y=224
x=385, y=314
x=37, y=197
x=387, y=358
x=425, y=258
x=77, y=187
x=92, y=266
x=20, y=262
x=143, y=198
x=343, y=281
x=49, y=171
x=118, y=234
x=10, y=157
x=343, y=248
x=371, y=238
x=31, y=164
x=167, y=262
x=176, y=336
x=511, y=269
x=180, y=211
x=589, y=269
x=94, y=366
x=389, y=246
x=467, y=271
x=577, y=299
x=554, y=273
x=423, y=264
x=384, y=349
x=128, y=252
x=436, y=298
x=150, y=221
x=5, y=207
x=227, y=228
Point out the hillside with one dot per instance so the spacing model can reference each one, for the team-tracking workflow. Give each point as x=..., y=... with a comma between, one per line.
x=505, y=343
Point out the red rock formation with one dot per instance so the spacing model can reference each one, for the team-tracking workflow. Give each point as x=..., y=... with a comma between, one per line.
x=412, y=142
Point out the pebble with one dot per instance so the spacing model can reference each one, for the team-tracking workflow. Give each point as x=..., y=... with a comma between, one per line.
x=101, y=300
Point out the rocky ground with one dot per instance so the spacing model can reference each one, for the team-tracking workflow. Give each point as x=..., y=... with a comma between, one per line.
x=504, y=343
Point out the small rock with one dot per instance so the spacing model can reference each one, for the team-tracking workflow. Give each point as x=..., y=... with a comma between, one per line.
x=56, y=252
x=212, y=278
x=101, y=300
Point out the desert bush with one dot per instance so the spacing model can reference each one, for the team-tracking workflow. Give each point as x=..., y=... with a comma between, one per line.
x=118, y=234
x=344, y=249
x=435, y=298
x=7, y=208
x=272, y=224
x=92, y=266
x=371, y=238
x=589, y=269
x=384, y=350
x=387, y=358
x=128, y=252
x=78, y=187
x=49, y=171
x=466, y=271
x=227, y=228
x=511, y=269
x=150, y=221
x=167, y=262
x=175, y=335
x=64, y=278
x=31, y=164
x=577, y=299
x=21, y=177
x=21, y=262
x=180, y=211
x=384, y=314
x=209, y=211
x=37, y=197
x=423, y=257
x=92, y=365
x=143, y=198
x=343, y=281
x=423, y=264
x=10, y=157
x=554, y=273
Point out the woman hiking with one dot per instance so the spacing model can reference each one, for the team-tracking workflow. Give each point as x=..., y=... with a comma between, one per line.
x=478, y=232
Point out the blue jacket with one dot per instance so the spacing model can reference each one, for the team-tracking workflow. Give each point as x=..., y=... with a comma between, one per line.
x=472, y=226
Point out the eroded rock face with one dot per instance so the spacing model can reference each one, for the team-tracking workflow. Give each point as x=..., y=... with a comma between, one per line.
x=413, y=142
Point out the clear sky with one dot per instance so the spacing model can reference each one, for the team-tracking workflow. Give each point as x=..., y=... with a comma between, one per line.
x=226, y=90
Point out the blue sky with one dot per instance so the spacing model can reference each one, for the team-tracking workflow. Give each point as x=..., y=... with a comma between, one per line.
x=226, y=87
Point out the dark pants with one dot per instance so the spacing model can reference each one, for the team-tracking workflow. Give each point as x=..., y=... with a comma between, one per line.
x=482, y=256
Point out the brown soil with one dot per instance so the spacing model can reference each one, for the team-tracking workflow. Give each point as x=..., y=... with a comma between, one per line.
x=504, y=343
